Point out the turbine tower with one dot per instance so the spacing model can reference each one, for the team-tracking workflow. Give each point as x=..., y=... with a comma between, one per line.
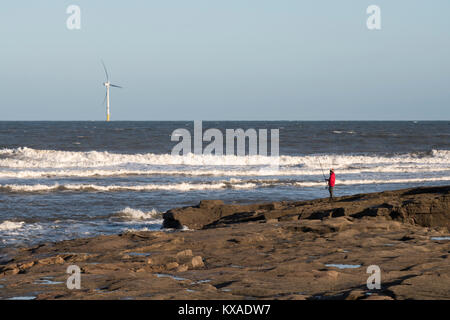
x=108, y=84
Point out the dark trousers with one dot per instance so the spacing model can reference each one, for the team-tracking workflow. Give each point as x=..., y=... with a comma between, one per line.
x=331, y=190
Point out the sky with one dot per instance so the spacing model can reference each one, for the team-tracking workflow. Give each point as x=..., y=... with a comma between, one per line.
x=226, y=60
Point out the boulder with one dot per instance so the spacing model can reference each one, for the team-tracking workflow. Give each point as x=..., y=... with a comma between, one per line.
x=197, y=262
x=172, y=265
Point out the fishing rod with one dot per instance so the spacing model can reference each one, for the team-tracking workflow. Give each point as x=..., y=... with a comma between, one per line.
x=323, y=174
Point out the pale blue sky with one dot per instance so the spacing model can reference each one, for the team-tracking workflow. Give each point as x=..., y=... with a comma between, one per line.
x=226, y=60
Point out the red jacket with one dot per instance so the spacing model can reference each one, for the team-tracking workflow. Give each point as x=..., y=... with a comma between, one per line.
x=332, y=180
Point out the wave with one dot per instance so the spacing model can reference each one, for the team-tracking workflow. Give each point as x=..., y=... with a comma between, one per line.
x=33, y=158
x=36, y=174
x=187, y=187
x=339, y=132
x=136, y=214
x=181, y=187
x=10, y=225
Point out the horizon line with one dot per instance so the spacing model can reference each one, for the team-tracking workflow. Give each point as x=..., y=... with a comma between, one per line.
x=227, y=120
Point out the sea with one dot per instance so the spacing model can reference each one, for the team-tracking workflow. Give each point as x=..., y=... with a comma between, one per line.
x=65, y=180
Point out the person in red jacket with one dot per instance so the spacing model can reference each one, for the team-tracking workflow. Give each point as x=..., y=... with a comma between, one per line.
x=331, y=182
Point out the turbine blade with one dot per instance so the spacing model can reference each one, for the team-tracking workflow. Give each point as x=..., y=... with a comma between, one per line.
x=104, y=100
x=107, y=75
x=113, y=85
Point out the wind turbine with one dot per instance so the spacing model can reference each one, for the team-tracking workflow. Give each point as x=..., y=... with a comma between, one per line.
x=108, y=84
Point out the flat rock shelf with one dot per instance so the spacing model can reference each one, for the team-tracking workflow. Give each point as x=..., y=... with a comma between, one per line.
x=285, y=250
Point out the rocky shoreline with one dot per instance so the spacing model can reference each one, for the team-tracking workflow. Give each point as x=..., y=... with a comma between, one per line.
x=281, y=250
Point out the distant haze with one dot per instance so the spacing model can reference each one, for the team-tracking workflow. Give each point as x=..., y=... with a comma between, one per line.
x=226, y=60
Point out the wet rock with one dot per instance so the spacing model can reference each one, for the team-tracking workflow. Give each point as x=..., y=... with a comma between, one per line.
x=26, y=265
x=197, y=262
x=289, y=218
x=52, y=260
x=182, y=268
x=378, y=297
x=10, y=270
x=297, y=297
x=172, y=265
x=208, y=204
x=332, y=274
x=355, y=295
x=184, y=253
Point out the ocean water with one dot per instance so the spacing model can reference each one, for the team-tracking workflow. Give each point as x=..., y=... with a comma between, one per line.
x=63, y=180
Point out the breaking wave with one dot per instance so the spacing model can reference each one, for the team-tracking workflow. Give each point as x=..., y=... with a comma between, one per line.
x=33, y=158
x=10, y=225
x=136, y=214
x=187, y=187
x=37, y=174
x=181, y=187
